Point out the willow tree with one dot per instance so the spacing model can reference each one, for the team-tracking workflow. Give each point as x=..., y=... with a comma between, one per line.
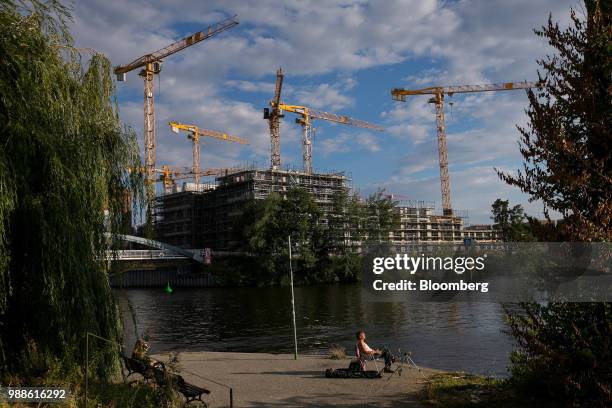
x=63, y=184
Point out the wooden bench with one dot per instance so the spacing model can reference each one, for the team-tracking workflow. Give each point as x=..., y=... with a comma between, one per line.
x=135, y=366
x=192, y=393
x=160, y=376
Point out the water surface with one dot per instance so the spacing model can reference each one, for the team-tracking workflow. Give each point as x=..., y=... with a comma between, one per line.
x=446, y=335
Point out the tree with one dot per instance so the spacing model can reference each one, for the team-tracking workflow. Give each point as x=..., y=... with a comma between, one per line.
x=565, y=349
x=345, y=222
x=337, y=233
x=567, y=144
x=381, y=217
x=265, y=225
x=510, y=221
x=63, y=185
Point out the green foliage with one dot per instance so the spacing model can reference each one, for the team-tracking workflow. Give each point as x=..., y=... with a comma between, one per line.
x=510, y=221
x=345, y=223
x=381, y=218
x=324, y=245
x=565, y=350
x=124, y=395
x=63, y=184
x=461, y=390
x=265, y=226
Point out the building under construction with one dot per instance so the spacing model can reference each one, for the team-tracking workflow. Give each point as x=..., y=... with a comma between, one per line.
x=203, y=218
x=419, y=224
x=483, y=233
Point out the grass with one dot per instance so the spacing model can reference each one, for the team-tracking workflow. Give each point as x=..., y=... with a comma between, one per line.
x=115, y=394
x=124, y=395
x=337, y=352
x=459, y=390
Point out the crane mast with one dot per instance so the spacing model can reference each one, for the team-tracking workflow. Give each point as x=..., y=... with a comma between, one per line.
x=439, y=92
x=443, y=154
x=273, y=115
x=151, y=65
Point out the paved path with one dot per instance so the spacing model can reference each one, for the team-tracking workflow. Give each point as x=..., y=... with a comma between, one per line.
x=277, y=380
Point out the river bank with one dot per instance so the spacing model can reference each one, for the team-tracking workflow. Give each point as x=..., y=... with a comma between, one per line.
x=277, y=380
x=449, y=336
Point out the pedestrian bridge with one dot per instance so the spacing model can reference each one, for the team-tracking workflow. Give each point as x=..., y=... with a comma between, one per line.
x=161, y=251
x=143, y=254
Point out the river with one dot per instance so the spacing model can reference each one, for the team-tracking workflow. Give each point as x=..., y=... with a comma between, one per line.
x=447, y=335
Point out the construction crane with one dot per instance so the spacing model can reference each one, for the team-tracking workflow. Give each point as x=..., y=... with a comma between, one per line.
x=438, y=92
x=275, y=112
x=151, y=65
x=169, y=175
x=194, y=133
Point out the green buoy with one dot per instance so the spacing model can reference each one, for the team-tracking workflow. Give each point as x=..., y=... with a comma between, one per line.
x=168, y=288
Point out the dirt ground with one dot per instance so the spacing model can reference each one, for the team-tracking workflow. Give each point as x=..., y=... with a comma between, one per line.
x=277, y=380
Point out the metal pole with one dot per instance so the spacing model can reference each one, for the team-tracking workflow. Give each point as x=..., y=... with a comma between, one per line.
x=231, y=398
x=292, y=302
x=86, y=365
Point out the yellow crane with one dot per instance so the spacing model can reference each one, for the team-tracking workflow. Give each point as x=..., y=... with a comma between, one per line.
x=194, y=133
x=438, y=92
x=151, y=65
x=169, y=175
x=306, y=115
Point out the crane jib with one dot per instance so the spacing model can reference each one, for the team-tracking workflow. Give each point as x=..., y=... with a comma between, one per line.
x=178, y=45
x=400, y=93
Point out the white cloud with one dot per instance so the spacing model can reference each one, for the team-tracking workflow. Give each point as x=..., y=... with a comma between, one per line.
x=454, y=43
x=252, y=86
x=347, y=142
x=324, y=96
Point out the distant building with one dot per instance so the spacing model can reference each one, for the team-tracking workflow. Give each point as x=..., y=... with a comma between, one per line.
x=482, y=233
x=419, y=224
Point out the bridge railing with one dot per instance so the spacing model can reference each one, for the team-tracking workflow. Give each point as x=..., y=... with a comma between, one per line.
x=142, y=254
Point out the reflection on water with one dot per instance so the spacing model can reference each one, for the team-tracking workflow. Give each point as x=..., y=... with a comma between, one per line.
x=449, y=335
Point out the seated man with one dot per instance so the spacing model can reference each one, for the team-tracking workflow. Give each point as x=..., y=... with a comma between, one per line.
x=362, y=350
x=151, y=369
x=141, y=348
x=140, y=351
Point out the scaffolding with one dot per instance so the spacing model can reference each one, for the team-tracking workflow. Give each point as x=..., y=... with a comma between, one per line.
x=419, y=224
x=204, y=218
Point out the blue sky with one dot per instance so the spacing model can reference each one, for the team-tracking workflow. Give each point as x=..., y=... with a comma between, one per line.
x=344, y=57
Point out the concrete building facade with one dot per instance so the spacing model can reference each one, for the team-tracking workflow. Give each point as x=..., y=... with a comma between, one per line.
x=419, y=224
x=482, y=233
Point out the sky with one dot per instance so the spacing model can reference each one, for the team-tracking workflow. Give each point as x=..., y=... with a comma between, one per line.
x=344, y=57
